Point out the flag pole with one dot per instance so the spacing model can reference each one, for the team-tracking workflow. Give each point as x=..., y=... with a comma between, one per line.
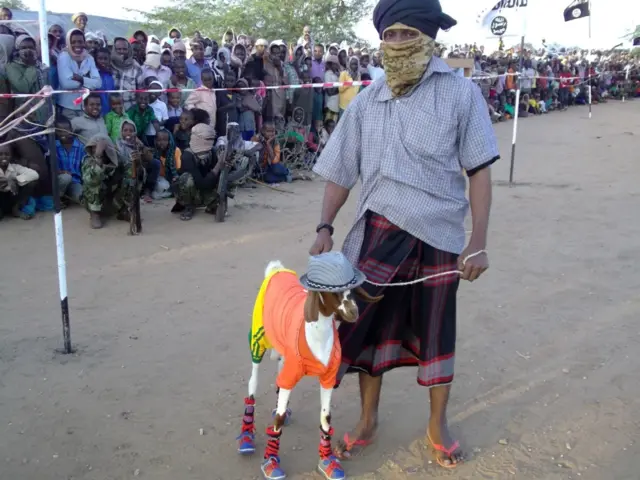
x=516, y=110
x=589, y=66
x=57, y=216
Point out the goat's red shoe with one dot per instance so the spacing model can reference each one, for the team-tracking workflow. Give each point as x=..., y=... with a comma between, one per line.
x=329, y=464
x=271, y=465
x=271, y=469
x=331, y=468
x=246, y=439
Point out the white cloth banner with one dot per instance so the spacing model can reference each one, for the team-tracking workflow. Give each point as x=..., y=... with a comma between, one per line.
x=505, y=17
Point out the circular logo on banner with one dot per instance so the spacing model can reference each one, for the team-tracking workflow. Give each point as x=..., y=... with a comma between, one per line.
x=576, y=13
x=498, y=26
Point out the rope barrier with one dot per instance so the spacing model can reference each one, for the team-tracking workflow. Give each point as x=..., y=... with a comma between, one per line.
x=326, y=85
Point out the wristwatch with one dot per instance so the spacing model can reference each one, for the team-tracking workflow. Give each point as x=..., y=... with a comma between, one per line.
x=323, y=226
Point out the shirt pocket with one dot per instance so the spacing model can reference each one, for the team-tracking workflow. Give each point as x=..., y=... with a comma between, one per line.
x=423, y=151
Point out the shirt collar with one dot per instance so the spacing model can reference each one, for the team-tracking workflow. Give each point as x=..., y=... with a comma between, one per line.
x=436, y=65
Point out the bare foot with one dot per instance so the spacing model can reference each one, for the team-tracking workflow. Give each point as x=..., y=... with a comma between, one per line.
x=353, y=443
x=447, y=450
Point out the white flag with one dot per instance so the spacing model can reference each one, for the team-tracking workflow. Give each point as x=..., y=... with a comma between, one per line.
x=505, y=17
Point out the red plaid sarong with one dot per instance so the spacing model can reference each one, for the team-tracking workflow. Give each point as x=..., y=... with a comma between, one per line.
x=412, y=325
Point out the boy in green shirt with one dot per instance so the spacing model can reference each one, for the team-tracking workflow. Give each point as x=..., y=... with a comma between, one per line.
x=141, y=114
x=114, y=118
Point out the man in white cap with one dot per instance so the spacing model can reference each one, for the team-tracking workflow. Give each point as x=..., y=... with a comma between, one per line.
x=407, y=139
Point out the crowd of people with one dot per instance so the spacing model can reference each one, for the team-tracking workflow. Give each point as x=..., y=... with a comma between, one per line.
x=550, y=80
x=223, y=107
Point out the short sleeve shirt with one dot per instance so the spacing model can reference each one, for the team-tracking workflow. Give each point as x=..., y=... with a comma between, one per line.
x=409, y=153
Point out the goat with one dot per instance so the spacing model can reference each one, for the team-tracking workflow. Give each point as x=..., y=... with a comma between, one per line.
x=300, y=329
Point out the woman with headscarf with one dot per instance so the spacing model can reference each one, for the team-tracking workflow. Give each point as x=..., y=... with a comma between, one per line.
x=351, y=74
x=25, y=74
x=223, y=60
x=174, y=34
x=126, y=70
x=343, y=58
x=228, y=39
x=76, y=70
x=198, y=181
x=238, y=58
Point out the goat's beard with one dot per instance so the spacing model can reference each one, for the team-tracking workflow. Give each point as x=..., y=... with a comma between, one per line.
x=349, y=317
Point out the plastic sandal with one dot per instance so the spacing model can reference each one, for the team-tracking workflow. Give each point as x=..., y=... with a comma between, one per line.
x=447, y=451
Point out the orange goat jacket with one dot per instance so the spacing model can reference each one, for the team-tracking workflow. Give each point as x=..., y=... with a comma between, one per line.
x=283, y=320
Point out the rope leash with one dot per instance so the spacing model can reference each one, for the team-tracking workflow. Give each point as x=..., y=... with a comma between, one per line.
x=429, y=277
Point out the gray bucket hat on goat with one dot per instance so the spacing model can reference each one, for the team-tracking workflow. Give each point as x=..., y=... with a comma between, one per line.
x=331, y=272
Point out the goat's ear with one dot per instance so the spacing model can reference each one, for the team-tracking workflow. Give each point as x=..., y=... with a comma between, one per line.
x=362, y=294
x=312, y=307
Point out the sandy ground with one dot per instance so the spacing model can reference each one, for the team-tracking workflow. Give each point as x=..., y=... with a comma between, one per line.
x=546, y=381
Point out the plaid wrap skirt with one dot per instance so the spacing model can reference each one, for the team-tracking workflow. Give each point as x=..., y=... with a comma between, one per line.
x=412, y=325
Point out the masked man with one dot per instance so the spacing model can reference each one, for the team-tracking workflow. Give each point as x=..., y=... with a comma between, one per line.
x=410, y=213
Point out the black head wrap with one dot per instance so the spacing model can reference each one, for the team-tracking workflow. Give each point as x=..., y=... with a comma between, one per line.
x=424, y=15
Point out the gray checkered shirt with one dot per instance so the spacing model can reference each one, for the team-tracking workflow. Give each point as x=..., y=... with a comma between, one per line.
x=409, y=153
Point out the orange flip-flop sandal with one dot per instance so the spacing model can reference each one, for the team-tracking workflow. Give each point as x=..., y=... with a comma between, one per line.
x=447, y=451
x=350, y=444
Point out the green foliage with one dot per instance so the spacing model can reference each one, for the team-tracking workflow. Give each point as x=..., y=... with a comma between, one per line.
x=635, y=53
x=331, y=20
x=14, y=4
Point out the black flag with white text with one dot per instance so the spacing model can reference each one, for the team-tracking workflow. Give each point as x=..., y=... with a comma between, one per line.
x=577, y=9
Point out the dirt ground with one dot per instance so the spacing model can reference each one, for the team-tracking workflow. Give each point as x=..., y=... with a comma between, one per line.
x=546, y=380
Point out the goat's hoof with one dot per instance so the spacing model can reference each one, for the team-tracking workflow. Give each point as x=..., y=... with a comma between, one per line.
x=331, y=468
x=271, y=469
x=246, y=444
x=287, y=416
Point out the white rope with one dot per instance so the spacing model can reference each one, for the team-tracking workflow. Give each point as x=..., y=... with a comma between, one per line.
x=429, y=277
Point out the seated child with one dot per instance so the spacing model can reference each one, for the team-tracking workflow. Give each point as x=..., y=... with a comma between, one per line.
x=170, y=162
x=114, y=118
x=130, y=147
x=17, y=184
x=325, y=133
x=182, y=131
x=70, y=152
x=542, y=106
x=142, y=115
x=91, y=123
x=272, y=170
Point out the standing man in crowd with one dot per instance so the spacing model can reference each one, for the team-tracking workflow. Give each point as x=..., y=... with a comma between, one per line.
x=410, y=214
x=126, y=70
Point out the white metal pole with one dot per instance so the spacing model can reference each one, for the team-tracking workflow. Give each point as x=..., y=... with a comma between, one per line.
x=589, y=65
x=57, y=216
x=516, y=109
x=626, y=82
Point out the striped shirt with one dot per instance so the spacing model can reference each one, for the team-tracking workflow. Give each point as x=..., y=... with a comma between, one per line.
x=71, y=160
x=409, y=153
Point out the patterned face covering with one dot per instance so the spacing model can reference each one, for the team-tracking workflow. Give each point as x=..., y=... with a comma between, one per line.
x=406, y=62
